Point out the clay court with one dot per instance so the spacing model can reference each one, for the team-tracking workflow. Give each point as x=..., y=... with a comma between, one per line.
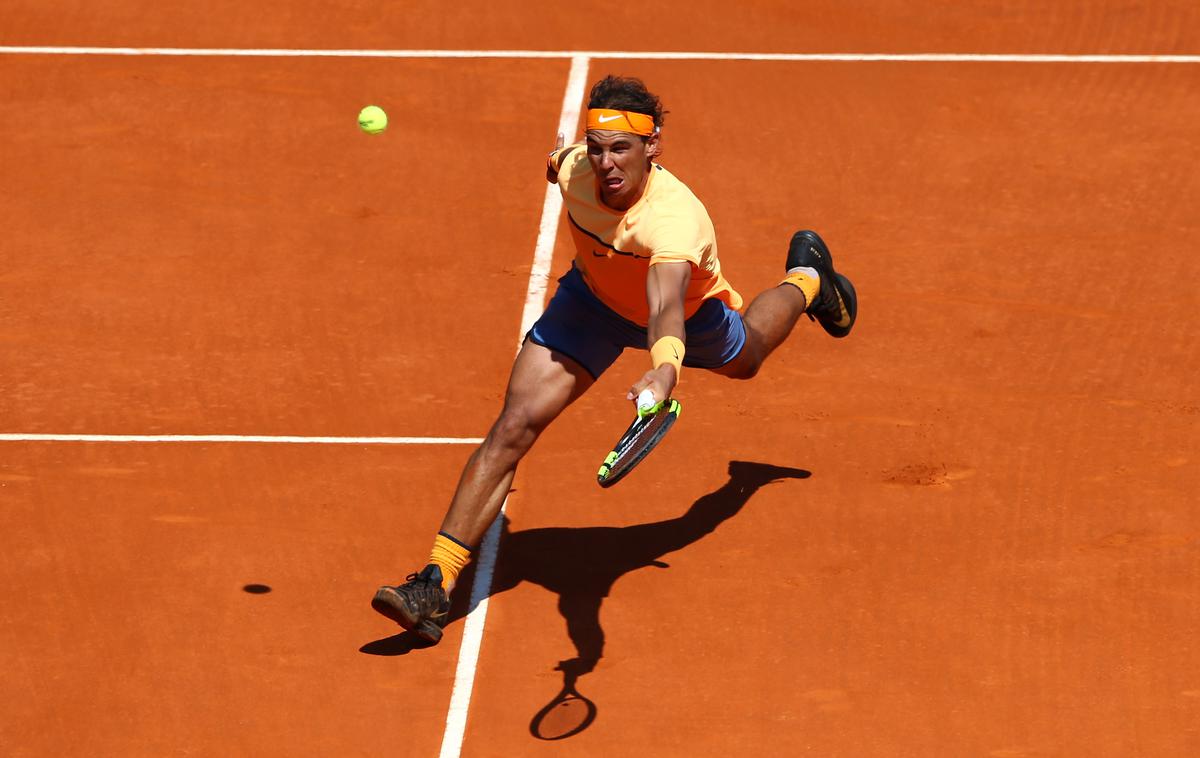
x=245, y=350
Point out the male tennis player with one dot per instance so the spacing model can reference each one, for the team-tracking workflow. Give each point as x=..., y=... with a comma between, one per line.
x=645, y=275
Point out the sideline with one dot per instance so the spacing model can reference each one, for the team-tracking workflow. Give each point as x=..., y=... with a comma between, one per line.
x=535, y=298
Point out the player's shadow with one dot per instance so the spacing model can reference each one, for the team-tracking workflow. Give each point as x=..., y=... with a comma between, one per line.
x=580, y=565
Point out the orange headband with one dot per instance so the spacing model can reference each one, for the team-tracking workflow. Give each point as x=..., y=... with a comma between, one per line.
x=620, y=121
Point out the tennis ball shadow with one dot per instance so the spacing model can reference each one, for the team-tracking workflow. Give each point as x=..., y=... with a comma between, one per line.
x=256, y=589
x=581, y=565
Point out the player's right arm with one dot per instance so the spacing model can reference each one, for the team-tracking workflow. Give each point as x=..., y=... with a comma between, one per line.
x=666, y=288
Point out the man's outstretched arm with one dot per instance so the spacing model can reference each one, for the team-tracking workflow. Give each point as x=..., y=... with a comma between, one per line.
x=666, y=287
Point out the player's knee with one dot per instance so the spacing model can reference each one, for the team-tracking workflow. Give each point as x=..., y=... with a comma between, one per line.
x=747, y=371
x=744, y=366
x=514, y=430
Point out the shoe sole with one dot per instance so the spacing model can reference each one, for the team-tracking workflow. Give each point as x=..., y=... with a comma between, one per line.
x=849, y=298
x=388, y=603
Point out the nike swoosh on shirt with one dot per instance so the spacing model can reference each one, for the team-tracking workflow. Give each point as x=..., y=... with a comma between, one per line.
x=596, y=238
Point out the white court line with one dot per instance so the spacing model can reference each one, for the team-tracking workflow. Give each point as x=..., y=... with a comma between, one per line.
x=535, y=298
x=609, y=54
x=226, y=438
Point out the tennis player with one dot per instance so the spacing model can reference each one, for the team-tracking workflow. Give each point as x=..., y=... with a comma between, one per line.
x=645, y=275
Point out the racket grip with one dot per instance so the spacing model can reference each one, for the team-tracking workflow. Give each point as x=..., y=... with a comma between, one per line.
x=646, y=404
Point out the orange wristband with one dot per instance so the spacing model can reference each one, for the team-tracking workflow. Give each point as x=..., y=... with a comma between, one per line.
x=668, y=350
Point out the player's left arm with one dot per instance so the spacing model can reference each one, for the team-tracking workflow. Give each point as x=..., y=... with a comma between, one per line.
x=558, y=156
x=554, y=161
x=666, y=288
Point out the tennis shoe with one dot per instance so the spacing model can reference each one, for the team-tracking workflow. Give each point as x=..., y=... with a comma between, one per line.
x=420, y=605
x=836, y=305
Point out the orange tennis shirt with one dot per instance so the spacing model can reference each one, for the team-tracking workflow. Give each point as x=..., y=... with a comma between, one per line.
x=615, y=249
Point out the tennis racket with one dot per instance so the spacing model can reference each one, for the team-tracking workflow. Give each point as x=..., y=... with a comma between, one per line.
x=653, y=422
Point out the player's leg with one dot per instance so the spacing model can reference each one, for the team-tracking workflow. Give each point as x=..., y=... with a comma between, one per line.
x=768, y=321
x=572, y=344
x=542, y=384
x=812, y=287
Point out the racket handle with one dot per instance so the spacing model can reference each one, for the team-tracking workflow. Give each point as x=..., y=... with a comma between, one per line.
x=646, y=404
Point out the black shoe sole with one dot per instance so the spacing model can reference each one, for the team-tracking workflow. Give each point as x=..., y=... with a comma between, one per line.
x=423, y=628
x=849, y=298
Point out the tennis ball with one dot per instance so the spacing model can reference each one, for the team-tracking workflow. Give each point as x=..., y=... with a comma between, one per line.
x=372, y=119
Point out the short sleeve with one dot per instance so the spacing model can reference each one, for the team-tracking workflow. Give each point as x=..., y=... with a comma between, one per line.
x=678, y=238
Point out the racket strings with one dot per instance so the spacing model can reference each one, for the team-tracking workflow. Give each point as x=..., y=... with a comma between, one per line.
x=639, y=439
x=641, y=433
x=638, y=434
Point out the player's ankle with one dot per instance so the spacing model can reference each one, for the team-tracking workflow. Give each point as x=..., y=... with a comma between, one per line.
x=806, y=280
x=451, y=556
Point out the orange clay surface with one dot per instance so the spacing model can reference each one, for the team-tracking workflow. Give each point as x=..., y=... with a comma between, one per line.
x=985, y=534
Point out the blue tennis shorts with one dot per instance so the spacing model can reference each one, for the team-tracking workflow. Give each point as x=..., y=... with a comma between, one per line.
x=590, y=333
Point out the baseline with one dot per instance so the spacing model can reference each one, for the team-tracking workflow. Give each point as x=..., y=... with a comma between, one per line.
x=228, y=438
x=610, y=54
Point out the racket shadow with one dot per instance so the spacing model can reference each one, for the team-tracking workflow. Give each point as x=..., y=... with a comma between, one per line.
x=581, y=565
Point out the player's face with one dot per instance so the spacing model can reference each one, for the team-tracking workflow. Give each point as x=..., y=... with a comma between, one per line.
x=622, y=165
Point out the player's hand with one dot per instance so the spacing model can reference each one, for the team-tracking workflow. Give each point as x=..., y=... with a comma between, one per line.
x=551, y=173
x=660, y=381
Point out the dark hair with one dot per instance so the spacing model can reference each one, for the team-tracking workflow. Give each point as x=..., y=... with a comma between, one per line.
x=626, y=93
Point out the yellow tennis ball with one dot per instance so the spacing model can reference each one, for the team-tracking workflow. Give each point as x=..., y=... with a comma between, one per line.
x=372, y=119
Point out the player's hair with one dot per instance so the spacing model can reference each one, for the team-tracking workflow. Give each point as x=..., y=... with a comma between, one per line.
x=626, y=93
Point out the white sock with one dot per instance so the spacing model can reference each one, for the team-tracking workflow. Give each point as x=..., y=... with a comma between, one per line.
x=806, y=270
